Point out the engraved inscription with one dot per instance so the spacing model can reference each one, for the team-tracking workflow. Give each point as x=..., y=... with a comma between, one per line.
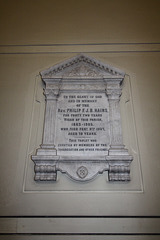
x=82, y=124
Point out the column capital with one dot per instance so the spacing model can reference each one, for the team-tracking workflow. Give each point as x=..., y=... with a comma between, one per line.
x=114, y=94
x=51, y=94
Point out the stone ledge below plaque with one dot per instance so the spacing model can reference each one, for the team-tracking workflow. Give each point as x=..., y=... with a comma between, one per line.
x=82, y=169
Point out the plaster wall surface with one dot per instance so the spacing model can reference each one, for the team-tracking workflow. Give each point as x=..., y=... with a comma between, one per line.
x=35, y=35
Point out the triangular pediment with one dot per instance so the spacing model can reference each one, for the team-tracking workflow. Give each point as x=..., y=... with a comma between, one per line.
x=82, y=66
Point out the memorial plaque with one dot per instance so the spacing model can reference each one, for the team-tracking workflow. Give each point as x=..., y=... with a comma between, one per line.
x=82, y=126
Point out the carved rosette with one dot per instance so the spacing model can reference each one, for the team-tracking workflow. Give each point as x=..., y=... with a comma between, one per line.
x=82, y=172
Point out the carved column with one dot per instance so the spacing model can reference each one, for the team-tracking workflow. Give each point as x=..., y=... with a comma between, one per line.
x=50, y=118
x=119, y=159
x=46, y=157
x=113, y=93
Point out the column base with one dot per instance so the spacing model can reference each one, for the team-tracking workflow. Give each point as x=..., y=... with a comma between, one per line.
x=47, y=146
x=46, y=152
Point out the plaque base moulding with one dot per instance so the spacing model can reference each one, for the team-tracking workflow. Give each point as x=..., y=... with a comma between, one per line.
x=82, y=134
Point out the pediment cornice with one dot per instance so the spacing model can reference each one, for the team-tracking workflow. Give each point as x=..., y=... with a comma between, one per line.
x=82, y=66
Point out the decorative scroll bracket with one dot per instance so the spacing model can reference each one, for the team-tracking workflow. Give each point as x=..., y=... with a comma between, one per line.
x=82, y=134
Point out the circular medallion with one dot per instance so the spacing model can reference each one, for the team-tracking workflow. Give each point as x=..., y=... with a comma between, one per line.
x=82, y=172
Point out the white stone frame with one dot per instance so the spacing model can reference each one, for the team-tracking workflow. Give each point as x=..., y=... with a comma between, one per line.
x=87, y=75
